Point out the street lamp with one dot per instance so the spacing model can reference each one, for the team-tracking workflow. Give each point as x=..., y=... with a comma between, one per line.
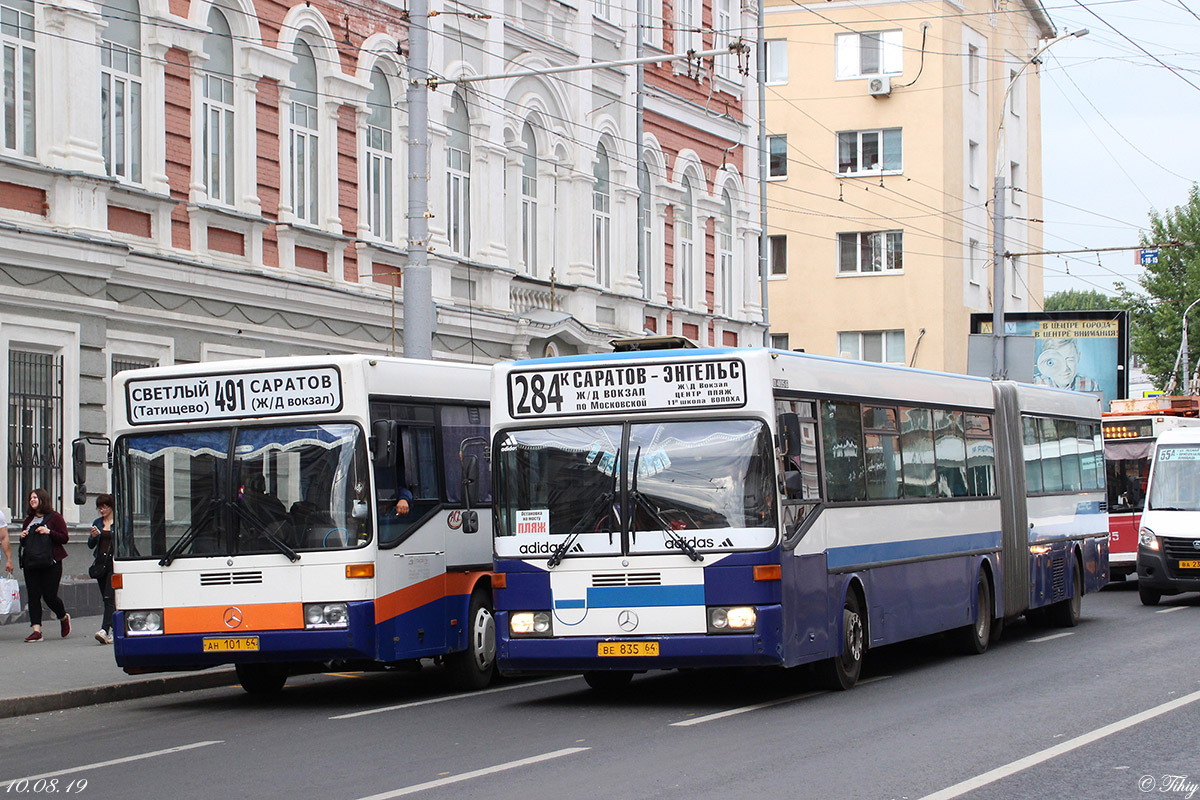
x=1183, y=354
x=998, y=248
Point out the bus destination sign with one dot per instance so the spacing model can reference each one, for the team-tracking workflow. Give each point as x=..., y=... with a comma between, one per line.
x=270, y=393
x=619, y=388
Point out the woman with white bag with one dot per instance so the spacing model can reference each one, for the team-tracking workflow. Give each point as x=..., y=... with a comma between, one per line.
x=10, y=590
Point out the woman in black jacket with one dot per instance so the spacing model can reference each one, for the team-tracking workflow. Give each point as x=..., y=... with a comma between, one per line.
x=100, y=540
x=41, y=578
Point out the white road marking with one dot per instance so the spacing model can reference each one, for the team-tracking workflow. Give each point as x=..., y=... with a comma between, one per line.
x=1170, y=609
x=971, y=784
x=448, y=697
x=1051, y=637
x=479, y=773
x=744, y=709
x=113, y=762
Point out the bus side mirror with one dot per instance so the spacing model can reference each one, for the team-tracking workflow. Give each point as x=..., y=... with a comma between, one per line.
x=79, y=463
x=383, y=443
x=789, y=433
x=470, y=477
x=470, y=521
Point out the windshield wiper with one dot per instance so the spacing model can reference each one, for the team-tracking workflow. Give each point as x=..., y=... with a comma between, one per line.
x=275, y=541
x=177, y=548
x=640, y=501
x=598, y=505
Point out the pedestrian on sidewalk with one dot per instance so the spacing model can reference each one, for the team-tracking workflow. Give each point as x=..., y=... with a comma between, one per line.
x=5, y=547
x=43, y=534
x=100, y=539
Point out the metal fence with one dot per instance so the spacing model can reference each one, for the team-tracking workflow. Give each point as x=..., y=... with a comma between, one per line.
x=35, y=427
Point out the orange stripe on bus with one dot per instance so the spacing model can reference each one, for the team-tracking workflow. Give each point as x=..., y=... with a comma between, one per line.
x=420, y=594
x=236, y=618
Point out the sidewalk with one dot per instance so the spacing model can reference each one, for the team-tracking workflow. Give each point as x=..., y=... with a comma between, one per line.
x=59, y=673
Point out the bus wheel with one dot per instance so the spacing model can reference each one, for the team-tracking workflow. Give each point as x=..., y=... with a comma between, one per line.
x=1149, y=597
x=1065, y=613
x=841, y=672
x=475, y=667
x=974, y=639
x=607, y=682
x=262, y=679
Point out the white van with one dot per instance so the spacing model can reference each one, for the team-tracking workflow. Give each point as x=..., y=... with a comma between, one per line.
x=1168, y=557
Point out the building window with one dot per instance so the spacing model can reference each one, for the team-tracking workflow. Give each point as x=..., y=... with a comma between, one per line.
x=603, y=9
x=303, y=155
x=880, y=347
x=35, y=427
x=216, y=111
x=869, y=53
x=17, y=115
x=777, y=256
x=724, y=277
x=378, y=158
x=974, y=261
x=602, y=218
x=1016, y=280
x=1014, y=182
x=1014, y=93
x=529, y=204
x=685, y=257
x=722, y=37
x=874, y=251
x=863, y=152
x=458, y=177
x=777, y=61
x=973, y=164
x=645, y=273
x=777, y=150
x=650, y=18
x=973, y=68
x=687, y=26
x=121, y=90
x=779, y=341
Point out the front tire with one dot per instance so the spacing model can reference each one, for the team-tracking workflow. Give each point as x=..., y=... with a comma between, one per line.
x=974, y=639
x=841, y=672
x=1149, y=597
x=1065, y=613
x=475, y=667
x=608, y=683
x=262, y=680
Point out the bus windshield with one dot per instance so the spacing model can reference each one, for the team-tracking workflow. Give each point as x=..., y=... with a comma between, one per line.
x=285, y=488
x=1175, y=485
x=680, y=476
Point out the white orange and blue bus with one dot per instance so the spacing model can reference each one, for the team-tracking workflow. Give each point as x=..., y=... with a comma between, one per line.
x=293, y=515
x=741, y=507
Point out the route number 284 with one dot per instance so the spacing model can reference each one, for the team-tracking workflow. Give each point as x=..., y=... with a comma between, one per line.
x=533, y=395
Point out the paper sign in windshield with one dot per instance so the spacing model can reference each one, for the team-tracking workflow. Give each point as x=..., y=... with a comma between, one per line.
x=621, y=388
x=1179, y=454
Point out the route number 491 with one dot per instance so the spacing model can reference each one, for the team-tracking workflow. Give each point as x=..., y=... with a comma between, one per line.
x=534, y=396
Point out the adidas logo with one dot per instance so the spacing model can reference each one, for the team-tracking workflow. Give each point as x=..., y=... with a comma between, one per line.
x=578, y=548
x=727, y=543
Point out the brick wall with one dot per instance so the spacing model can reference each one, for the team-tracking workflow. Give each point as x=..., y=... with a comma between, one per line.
x=179, y=142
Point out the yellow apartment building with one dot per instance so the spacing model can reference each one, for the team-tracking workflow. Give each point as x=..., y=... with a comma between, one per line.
x=883, y=120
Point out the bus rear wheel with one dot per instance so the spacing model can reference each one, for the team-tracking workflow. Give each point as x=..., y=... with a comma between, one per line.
x=974, y=639
x=841, y=672
x=1066, y=613
x=475, y=667
x=607, y=683
x=262, y=679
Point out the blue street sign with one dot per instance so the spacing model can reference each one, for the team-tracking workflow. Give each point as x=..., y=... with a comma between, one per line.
x=1148, y=257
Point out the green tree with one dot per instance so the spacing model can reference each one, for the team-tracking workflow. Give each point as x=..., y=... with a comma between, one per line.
x=1081, y=300
x=1156, y=315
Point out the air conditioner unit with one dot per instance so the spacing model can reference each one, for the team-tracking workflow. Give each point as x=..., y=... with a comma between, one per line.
x=880, y=86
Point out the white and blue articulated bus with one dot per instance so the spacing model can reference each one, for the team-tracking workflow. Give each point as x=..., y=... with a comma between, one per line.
x=302, y=514
x=723, y=507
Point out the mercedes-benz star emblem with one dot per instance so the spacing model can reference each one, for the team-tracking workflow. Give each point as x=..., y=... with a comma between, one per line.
x=233, y=617
x=1196, y=544
x=627, y=620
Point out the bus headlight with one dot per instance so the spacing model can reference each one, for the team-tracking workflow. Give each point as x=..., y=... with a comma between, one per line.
x=732, y=619
x=1147, y=539
x=144, y=623
x=531, y=623
x=326, y=615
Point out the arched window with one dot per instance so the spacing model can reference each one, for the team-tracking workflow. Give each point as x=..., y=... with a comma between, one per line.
x=645, y=271
x=17, y=81
x=602, y=218
x=529, y=209
x=458, y=177
x=217, y=110
x=685, y=245
x=378, y=158
x=303, y=156
x=121, y=90
x=724, y=282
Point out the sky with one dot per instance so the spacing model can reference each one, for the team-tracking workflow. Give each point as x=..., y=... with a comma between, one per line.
x=1120, y=132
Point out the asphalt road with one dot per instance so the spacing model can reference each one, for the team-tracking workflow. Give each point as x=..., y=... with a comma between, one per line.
x=1109, y=709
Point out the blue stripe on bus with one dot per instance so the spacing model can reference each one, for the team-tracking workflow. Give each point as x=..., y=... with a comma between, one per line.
x=640, y=596
x=570, y=603
x=883, y=552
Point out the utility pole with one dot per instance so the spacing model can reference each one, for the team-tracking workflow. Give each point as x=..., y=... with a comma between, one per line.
x=763, y=267
x=418, y=280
